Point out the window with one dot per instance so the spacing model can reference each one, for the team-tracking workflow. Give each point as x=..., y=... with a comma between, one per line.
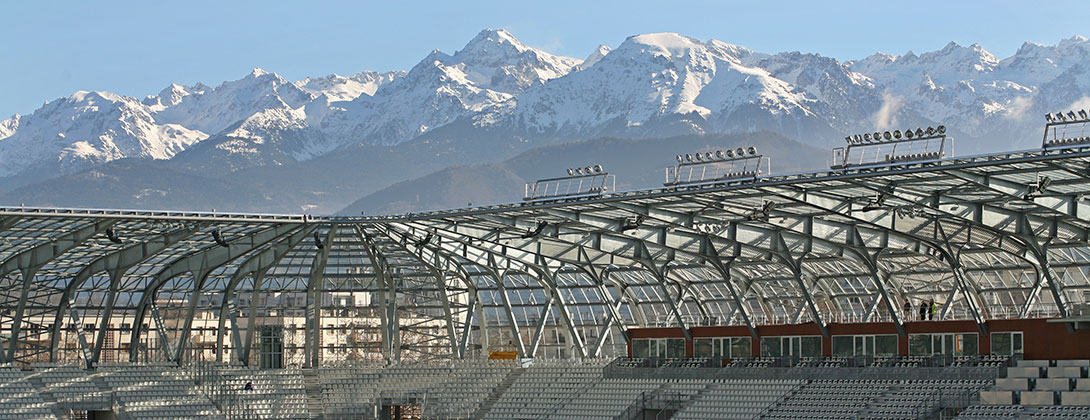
x=1007, y=343
x=658, y=347
x=741, y=347
x=951, y=344
x=859, y=345
x=727, y=347
x=771, y=346
x=640, y=348
x=805, y=346
x=271, y=350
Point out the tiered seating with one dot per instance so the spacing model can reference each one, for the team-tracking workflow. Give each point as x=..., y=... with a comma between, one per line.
x=19, y=400
x=912, y=399
x=900, y=361
x=70, y=386
x=823, y=362
x=465, y=389
x=348, y=391
x=605, y=399
x=737, y=399
x=685, y=363
x=543, y=388
x=1059, y=413
x=153, y=392
x=1042, y=383
x=276, y=394
x=990, y=412
x=454, y=390
x=684, y=390
x=752, y=362
x=829, y=399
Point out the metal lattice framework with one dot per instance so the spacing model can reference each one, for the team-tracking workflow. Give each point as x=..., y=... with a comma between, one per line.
x=562, y=278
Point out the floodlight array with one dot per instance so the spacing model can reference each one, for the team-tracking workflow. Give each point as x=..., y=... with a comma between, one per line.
x=723, y=165
x=587, y=171
x=580, y=181
x=1070, y=117
x=1057, y=124
x=717, y=156
x=879, y=137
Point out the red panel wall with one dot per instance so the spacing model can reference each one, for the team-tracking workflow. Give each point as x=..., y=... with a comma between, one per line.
x=1041, y=339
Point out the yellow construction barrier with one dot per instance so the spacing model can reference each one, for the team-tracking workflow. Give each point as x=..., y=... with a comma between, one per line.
x=503, y=355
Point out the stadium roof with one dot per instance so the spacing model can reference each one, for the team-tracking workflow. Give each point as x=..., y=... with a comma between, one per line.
x=986, y=237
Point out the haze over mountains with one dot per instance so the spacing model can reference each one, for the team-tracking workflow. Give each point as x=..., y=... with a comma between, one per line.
x=266, y=144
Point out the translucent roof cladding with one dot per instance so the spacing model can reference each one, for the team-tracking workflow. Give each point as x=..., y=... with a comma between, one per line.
x=975, y=235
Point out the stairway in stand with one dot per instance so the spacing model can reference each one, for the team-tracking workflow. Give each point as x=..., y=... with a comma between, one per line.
x=314, y=393
x=48, y=397
x=497, y=393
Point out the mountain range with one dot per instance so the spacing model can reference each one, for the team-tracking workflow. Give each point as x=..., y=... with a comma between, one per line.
x=264, y=143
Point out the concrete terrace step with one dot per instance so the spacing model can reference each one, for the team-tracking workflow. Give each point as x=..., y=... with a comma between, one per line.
x=510, y=379
x=313, y=388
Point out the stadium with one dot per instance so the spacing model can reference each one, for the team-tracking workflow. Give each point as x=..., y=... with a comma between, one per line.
x=900, y=283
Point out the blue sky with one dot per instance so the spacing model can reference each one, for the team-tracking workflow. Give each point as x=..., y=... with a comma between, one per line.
x=52, y=49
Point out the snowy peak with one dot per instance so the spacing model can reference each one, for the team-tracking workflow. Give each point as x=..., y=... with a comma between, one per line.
x=968, y=60
x=85, y=129
x=496, y=60
x=594, y=57
x=213, y=110
x=347, y=88
x=491, y=41
x=1077, y=41
x=651, y=85
x=9, y=126
x=667, y=44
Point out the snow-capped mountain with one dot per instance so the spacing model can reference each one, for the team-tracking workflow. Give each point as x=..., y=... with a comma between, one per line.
x=88, y=128
x=487, y=73
x=347, y=88
x=650, y=85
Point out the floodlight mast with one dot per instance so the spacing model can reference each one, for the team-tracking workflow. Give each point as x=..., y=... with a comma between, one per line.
x=585, y=181
x=893, y=147
x=719, y=166
x=1058, y=125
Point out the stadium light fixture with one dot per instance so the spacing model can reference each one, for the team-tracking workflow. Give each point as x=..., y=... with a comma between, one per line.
x=752, y=150
x=571, y=172
x=719, y=154
x=112, y=235
x=730, y=153
x=598, y=169
x=218, y=237
x=740, y=152
x=1082, y=114
x=680, y=158
x=541, y=225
